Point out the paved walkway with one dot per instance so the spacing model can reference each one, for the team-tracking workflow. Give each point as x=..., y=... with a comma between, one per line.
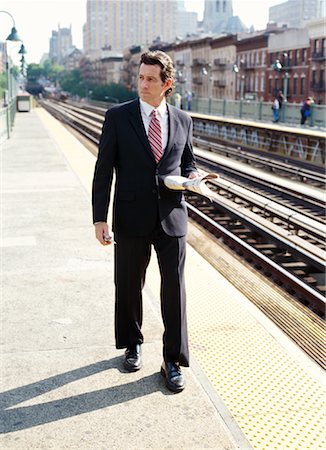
x=62, y=378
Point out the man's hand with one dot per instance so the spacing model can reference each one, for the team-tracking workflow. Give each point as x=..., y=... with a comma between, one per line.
x=102, y=233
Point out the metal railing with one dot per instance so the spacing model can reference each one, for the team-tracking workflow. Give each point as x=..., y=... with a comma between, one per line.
x=260, y=111
x=7, y=118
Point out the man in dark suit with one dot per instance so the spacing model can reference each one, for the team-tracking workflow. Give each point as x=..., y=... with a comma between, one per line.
x=143, y=141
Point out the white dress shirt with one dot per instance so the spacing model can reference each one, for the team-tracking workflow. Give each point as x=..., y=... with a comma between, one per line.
x=162, y=115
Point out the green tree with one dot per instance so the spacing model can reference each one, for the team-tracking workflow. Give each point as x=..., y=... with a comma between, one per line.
x=54, y=73
x=34, y=72
x=112, y=91
x=73, y=83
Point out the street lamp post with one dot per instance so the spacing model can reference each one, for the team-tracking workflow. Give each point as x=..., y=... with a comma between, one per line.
x=207, y=71
x=236, y=69
x=279, y=67
x=10, y=111
x=282, y=68
x=181, y=80
x=13, y=36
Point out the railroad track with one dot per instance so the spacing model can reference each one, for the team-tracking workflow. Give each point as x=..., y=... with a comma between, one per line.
x=288, y=144
x=283, y=242
x=307, y=173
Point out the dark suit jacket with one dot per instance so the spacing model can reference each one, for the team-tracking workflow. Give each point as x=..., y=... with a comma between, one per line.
x=140, y=197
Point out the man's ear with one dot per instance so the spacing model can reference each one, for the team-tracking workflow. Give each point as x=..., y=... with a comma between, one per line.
x=168, y=84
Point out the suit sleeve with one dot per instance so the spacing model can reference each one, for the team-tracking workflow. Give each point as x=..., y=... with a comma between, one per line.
x=188, y=163
x=103, y=172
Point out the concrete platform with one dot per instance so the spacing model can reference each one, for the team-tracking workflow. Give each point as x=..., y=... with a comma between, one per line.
x=62, y=381
x=249, y=385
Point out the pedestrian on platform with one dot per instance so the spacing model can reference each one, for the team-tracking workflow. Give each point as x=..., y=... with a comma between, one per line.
x=188, y=98
x=280, y=98
x=142, y=141
x=276, y=110
x=177, y=100
x=305, y=111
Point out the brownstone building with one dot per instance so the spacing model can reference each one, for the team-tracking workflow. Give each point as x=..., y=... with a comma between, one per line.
x=317, y=61
x=288, y=65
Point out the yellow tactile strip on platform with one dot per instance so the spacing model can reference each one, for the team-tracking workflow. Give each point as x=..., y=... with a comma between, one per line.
x=274, y=400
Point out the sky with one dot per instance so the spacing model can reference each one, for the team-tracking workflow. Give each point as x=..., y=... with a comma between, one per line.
x=35, y=20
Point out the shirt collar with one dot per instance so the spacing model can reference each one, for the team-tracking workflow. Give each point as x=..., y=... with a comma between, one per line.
x=147, y=109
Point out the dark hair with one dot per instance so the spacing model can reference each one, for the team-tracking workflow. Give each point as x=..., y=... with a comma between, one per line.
x=159, y=58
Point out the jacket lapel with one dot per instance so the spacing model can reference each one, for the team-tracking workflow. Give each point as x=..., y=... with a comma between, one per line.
x=138, y=125
x=173, y=125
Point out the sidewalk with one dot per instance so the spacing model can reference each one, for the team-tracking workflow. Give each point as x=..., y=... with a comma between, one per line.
x=63, y=383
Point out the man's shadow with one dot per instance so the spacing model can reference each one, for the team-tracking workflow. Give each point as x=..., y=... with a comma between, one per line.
x=20, y=418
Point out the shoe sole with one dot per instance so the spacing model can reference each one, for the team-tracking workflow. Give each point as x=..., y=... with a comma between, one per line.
x=171, y=387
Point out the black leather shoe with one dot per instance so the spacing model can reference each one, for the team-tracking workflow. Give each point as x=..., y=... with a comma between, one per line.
x=132, y=361
x=174, y=379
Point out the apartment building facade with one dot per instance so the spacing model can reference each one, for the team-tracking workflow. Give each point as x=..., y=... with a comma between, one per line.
x=292, y=50
x=119, y=24
x=317, y=64
x=296, y=13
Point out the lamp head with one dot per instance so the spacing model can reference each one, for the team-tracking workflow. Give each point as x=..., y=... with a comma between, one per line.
x=22, y=50
x=277, y=65
x=13, y=36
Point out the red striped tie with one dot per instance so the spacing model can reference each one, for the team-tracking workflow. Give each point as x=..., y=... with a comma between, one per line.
x=155, y=136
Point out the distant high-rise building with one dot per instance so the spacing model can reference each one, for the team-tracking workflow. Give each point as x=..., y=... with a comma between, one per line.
x=216, y=15
x=294, y=13
x=117, y=24
x=187, y=21
x=60, y=43
x=219, y=18
x=53, y=51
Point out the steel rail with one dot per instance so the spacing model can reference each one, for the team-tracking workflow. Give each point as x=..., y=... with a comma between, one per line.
x=315, y=297
x=304, y=174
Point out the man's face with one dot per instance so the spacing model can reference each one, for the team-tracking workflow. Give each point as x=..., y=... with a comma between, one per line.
x=151, y=88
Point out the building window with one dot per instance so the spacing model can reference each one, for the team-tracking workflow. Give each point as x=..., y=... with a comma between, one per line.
x=270, y=87
x=271, y=59
x=314, y=77
x=321, y=77
x=302, y=86
x=304, y=55
x=218, y=6
x=224, y=6
x=296, y=52
x=295, y=86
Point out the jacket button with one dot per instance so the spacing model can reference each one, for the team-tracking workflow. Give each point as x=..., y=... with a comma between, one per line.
x=154, y=191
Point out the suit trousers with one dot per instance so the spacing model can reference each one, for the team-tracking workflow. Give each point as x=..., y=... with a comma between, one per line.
x=132, y=255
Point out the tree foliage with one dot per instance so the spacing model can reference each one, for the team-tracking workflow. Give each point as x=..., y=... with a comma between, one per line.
x=73, y=83
x=112, y=91
x=34, y=72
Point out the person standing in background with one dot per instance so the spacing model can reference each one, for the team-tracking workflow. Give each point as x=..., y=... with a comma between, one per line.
x=305, y=111
x=276, y=110
x=177, y=100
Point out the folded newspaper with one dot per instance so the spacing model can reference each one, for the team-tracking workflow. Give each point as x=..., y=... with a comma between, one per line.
x=197, y=185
